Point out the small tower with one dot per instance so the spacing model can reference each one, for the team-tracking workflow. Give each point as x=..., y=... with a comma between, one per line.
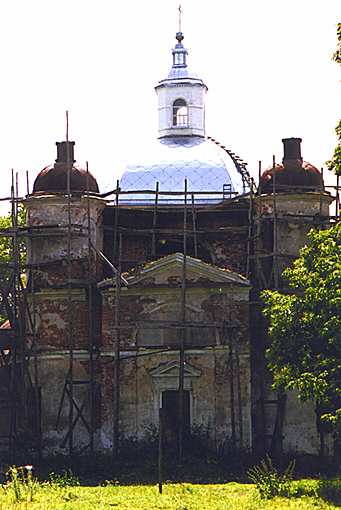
x=64, y=222
x=291, y=200
x=181, y=97
x=59, y=252
x=48, y=208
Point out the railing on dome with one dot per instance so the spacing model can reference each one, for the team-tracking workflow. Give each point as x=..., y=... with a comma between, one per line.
x=227, y=192
x=241, y=166
x=172, y=198
x=166, y=197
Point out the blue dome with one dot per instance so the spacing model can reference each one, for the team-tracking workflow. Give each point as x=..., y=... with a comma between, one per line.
x=206, y=166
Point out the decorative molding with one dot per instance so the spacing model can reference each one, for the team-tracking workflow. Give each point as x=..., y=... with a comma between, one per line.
x=196, y=269
x=59, y=294
x=172, y=369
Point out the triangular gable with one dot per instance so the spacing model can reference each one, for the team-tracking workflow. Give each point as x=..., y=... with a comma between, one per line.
x=172, y=369
x=169, y=268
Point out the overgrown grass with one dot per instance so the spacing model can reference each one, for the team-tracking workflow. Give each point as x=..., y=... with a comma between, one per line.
x=58, y=494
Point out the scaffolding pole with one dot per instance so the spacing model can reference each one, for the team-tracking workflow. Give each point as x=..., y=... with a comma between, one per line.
x=184, y=332
x=117, y=347
x=90, y=318
x=155, y=219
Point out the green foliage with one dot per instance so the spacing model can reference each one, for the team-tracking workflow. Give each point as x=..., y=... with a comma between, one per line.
x=300, y=488
x=269, y=481
x=62, y=485
x=21, y=483
x=305, y=327
x=337, y=54
x=325, y=489
x=231, y=496
x=6, y=254
x=335, y=163
x=7, y=251
x=64, y=479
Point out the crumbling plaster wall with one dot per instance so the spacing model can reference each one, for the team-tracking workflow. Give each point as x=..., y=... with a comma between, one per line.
x=210, y=395
x=50, y=317
x=215, y=368
x=222, y=305
x=296, y=214
x=300, y=434
x=223, y=247
x=53, y=368
x=48, y=247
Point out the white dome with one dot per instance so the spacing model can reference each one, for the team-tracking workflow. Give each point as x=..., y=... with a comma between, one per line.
x=171, y=160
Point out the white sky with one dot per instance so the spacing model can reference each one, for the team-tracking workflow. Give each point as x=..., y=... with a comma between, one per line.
x=267, y=64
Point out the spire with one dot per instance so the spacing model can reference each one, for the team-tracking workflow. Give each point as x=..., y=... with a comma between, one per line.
x=179, y=52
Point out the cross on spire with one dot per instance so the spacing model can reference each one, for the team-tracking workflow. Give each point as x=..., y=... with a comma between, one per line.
x=180, y=13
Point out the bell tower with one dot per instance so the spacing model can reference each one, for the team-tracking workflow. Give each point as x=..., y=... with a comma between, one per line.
x=181, y=97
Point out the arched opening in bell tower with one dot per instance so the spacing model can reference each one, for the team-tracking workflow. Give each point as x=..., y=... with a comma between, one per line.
x=180, y=113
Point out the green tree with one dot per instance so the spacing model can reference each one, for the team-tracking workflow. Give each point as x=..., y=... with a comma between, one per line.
x=6, y=256
x=305, y=326
x=335, y=163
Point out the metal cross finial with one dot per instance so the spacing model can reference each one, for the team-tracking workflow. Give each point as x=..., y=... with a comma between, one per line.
x=67, y=125
x=180, y=12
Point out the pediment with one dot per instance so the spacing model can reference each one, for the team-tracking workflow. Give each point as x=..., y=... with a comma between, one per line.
x=168, y=271
x=172, y=369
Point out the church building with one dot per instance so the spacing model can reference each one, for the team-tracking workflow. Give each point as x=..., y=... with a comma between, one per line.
x=147, y=297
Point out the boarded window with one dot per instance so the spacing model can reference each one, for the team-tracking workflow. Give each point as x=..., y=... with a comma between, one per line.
x=163, y=328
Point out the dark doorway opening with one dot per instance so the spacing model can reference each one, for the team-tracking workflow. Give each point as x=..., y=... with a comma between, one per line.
x=171, y=421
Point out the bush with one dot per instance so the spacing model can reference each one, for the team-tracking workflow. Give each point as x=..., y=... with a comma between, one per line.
x=269, y=481
x=21, y=483
x=64, y=479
